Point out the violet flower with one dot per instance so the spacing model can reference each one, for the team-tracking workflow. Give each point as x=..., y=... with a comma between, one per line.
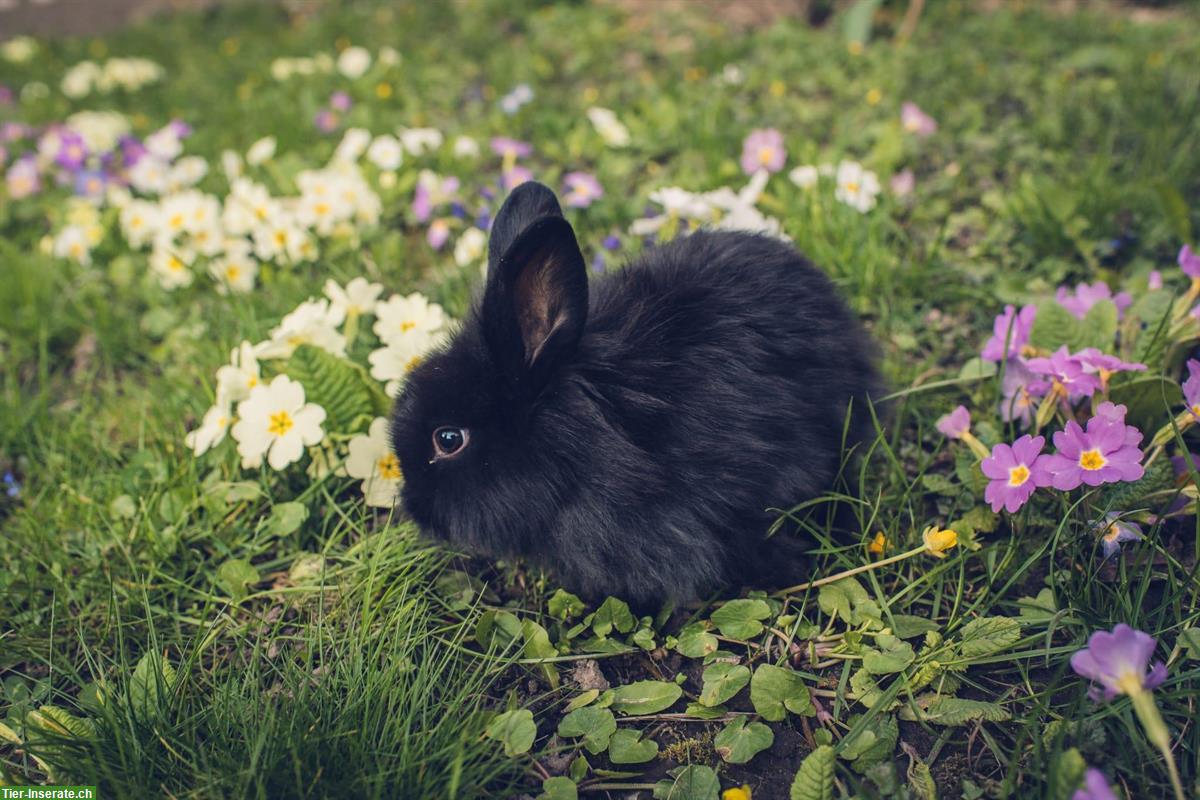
x=581, y=189
x=1119, y=662
x=763, y=149
x=1080, y=302
x=1015, y=471
x=340, y=101
x=514, y=177
x=1106, y=452
x=325, y=121
x=90, y=183
x=1116, y=532
x=438, y=233
x=72, y=152
x=22, y=177
x=1020, y=390
x=1010, y=333
x=1067, y=371
x=916, y=121
x=1154, y=280
x=1095, y=361
x=610, y=242
x=1095, y=787
x=1189, y=262
x=954, y=424
x=1191, y=388
x=902, y=183
x=422, y=204
x=506, y=147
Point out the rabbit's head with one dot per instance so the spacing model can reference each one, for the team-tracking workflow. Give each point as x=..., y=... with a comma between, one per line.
x=489, y=452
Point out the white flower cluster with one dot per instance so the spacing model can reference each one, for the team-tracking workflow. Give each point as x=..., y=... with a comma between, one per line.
x=723, y=209
x=274, y=422
x=100, y=130
x=82, y=232
x=352, y=62
x=857, y=186
x=248, y=226
x=129, y=74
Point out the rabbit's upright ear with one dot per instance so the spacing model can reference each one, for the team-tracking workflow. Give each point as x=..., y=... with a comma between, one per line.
x=525, y=205
x=535, y=303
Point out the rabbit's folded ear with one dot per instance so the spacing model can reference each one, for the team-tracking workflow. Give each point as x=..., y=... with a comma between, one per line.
x=535, y=303
x=525, y=205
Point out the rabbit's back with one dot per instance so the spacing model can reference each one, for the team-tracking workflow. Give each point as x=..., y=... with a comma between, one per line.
x=726, y=364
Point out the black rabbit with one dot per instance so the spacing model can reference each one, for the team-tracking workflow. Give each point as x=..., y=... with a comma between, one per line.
x=631, y=435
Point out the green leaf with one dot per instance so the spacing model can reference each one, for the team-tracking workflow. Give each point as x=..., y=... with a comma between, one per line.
x=693, y=782
x=1054, y=327
x=976, y=369
x=722, y=681
x=776, y=690
x=867, y=691
x=514, y=729
x=1175, y=210
x=908, y=626
x=848, y=600
x=498, y=629
x=920, y=777
x=595, y=725
x=893, y=655
x=582, y=699
x=814, y=780
x=558, y=788
x=564, y=606
x=1038, y=609
x=943, y=710
x=613, y=613
x=1189, y=642
x=343, y=389
x=988, y=635
x=61, y=722
x=740, y=619
x=694, y=641
x=286, y=518
x=697, y=711
x=235, y=576
x=738, y=742
x=1149, y=400
x=643, y=638
x=152, y=680
x=1066, y=775
x=872, y=744
x=628, y=747
x=940, y=484
x=857, y=20
x=645, y=697
x=537, y=645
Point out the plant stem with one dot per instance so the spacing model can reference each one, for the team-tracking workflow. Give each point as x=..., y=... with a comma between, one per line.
x=1156, y=731
x=801, y=587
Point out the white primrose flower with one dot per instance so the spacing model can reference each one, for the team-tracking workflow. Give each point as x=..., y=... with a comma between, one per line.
x=231, y=165
x=235, y=271
x=172, y=266
x=857, y=187
x=276, y=422
x=403, y=317
x=418, y=141
x=470, y=248
x=392, y=363
x=466, y=147
x=187, y=172
x=372, y=461
x=353, y=62
x=80, y=79
x=140, y=221
x=261, y=151
x=100, y=130
x=805, y=176
x=311, y=323
x=354, y=143
x=212, y=429
x=164, y=144
x=386, y=152
x=73, y=243
x=149, y=175
x=239, y=376
x=280, y=239
x=358, y=298
x=611, y=130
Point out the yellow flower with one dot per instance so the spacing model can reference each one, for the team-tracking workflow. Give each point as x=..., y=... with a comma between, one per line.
x=737, y=793
x=777, y=88
x=874, y=95
x=855, y=48
x=878, y=544
x=938, y=541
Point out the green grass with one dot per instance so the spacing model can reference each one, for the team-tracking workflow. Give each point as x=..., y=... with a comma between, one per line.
x=1066, y=151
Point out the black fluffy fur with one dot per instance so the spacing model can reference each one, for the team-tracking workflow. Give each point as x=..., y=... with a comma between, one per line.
x=631, y=435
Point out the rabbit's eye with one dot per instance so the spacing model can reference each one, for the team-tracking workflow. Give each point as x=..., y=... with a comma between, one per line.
x=449, y=441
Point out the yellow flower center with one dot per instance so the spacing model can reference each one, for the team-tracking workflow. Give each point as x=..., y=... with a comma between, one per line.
x=280, y=423
x=76, y=250
x=388, y=468
x=1196, y=409
x=136, y=222
x=252, y=381
x=174, y=264
x=281, y=238
x=1018, y=475
x=1092, y=459
x=321, y=209
x=232, y=272
x=765, y=154
x=852, y=187
x=412, y=363
x=176, y=221
x=407, y=326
